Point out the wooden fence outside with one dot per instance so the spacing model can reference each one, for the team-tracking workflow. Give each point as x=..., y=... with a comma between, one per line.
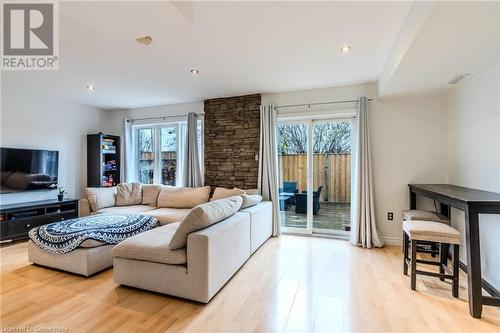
x=333, y=171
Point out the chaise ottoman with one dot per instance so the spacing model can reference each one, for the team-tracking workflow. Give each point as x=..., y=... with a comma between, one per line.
x=83, y=245
x=82, y=260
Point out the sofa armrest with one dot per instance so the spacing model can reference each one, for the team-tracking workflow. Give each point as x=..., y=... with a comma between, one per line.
x=85, y=209
x=215, y=253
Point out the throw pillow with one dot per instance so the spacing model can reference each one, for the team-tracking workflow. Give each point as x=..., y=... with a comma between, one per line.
x=128, y=194
x=222, y=193
x=150, y=193
x=252, y=191
x=250, y=200
x=101, y=197
x=203, y=216
x=183, y=197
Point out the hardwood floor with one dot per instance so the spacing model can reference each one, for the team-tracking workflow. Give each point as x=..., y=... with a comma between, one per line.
x=291, y=284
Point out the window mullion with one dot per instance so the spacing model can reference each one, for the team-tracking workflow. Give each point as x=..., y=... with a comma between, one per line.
x=157, y=154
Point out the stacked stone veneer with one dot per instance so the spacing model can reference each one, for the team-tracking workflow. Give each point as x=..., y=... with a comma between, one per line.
x=232, y=138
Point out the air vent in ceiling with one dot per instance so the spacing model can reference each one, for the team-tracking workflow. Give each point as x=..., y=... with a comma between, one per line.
x=457, y=78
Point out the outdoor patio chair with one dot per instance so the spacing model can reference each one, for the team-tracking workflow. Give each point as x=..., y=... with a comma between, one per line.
x=301, y=202
x=290, y=188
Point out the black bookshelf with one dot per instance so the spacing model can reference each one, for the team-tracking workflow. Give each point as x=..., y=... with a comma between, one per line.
x=16, y=220
x=103, y=160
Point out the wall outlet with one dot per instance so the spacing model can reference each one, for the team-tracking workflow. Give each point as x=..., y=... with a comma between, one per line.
x=390, y=216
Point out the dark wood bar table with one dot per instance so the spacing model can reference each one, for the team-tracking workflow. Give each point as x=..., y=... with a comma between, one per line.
x=472, y=202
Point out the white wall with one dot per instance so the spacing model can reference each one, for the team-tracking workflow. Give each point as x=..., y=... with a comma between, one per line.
x=30, y=121
x=474, y=156
x=408, y=144
x=156, y=111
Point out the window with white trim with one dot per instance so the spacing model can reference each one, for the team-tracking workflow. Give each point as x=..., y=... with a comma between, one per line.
x=160, y=152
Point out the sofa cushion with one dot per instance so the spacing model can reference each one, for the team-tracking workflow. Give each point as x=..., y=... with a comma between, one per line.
x=135, y=209
x=223, y=193
x=169, y=215
x=128, y=194
x=204, y=216
x=252, y=191
x=150, y=193
x=100, y=197
x=89, y=243
x=183, y=197
x=152, y=245
x=250, y=200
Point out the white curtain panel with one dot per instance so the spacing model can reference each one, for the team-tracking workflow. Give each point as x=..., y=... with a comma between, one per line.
x=363, y=225
x=268, y=162
x=192, y=164
x=128, y=166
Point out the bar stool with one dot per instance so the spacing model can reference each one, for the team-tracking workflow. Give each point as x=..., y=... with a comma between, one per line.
x=427, y=215
x=424, y=215
x=416, y=231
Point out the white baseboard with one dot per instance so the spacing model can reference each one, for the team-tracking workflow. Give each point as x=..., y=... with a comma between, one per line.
x=392, y=241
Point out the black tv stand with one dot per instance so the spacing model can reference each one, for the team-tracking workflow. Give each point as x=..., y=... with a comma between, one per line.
x=17, y=219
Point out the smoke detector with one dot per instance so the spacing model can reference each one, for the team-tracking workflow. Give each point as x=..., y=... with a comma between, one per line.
x=146, y=40
x=457, y=78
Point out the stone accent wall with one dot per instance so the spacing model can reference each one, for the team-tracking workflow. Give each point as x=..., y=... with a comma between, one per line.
x=232, y=138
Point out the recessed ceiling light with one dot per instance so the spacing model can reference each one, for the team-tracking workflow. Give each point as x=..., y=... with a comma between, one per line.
x=195, y=71
x=90, y=87
x=345, y=49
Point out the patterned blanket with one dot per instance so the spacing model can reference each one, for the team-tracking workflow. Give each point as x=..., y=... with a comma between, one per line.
x=65, y=236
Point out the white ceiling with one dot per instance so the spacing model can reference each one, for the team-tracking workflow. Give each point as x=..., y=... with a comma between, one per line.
x=452, y=38
x=239, y=48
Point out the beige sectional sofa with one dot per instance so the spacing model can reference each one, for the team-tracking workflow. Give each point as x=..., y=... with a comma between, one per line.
x=198, y=268
x=198, y=271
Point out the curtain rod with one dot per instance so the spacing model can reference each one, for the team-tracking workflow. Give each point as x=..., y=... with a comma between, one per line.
x=162, y=117
x=320, y=103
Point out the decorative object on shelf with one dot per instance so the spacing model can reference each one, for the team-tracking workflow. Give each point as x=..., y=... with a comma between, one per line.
x=103, y=160
x=61, y=191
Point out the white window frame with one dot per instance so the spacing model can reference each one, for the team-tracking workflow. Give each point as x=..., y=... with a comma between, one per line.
x=180, y=144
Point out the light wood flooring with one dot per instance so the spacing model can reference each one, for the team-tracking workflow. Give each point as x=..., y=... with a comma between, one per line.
x=299, y=284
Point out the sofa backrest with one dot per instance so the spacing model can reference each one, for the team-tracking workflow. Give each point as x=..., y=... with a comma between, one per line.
x=203, y=216
x=151, y=194
x=101, y=197
x=183, y=197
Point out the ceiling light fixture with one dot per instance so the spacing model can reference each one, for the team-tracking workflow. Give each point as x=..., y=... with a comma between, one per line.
x=195, y=71
x=90, y=87
x=146, y=40
x=345, y=49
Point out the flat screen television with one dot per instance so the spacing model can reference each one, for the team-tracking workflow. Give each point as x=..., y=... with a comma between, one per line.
x=27, y=169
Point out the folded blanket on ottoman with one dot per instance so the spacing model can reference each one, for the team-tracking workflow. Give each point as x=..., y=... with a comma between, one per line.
x=65, y=236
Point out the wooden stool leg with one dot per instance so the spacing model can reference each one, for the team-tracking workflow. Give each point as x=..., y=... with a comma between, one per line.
x=413, y=264
x=434, y=247
x=405, y=253
x=442, y=259
x=455, y=270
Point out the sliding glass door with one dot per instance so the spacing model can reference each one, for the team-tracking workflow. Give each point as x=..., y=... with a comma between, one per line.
x=315, y=175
